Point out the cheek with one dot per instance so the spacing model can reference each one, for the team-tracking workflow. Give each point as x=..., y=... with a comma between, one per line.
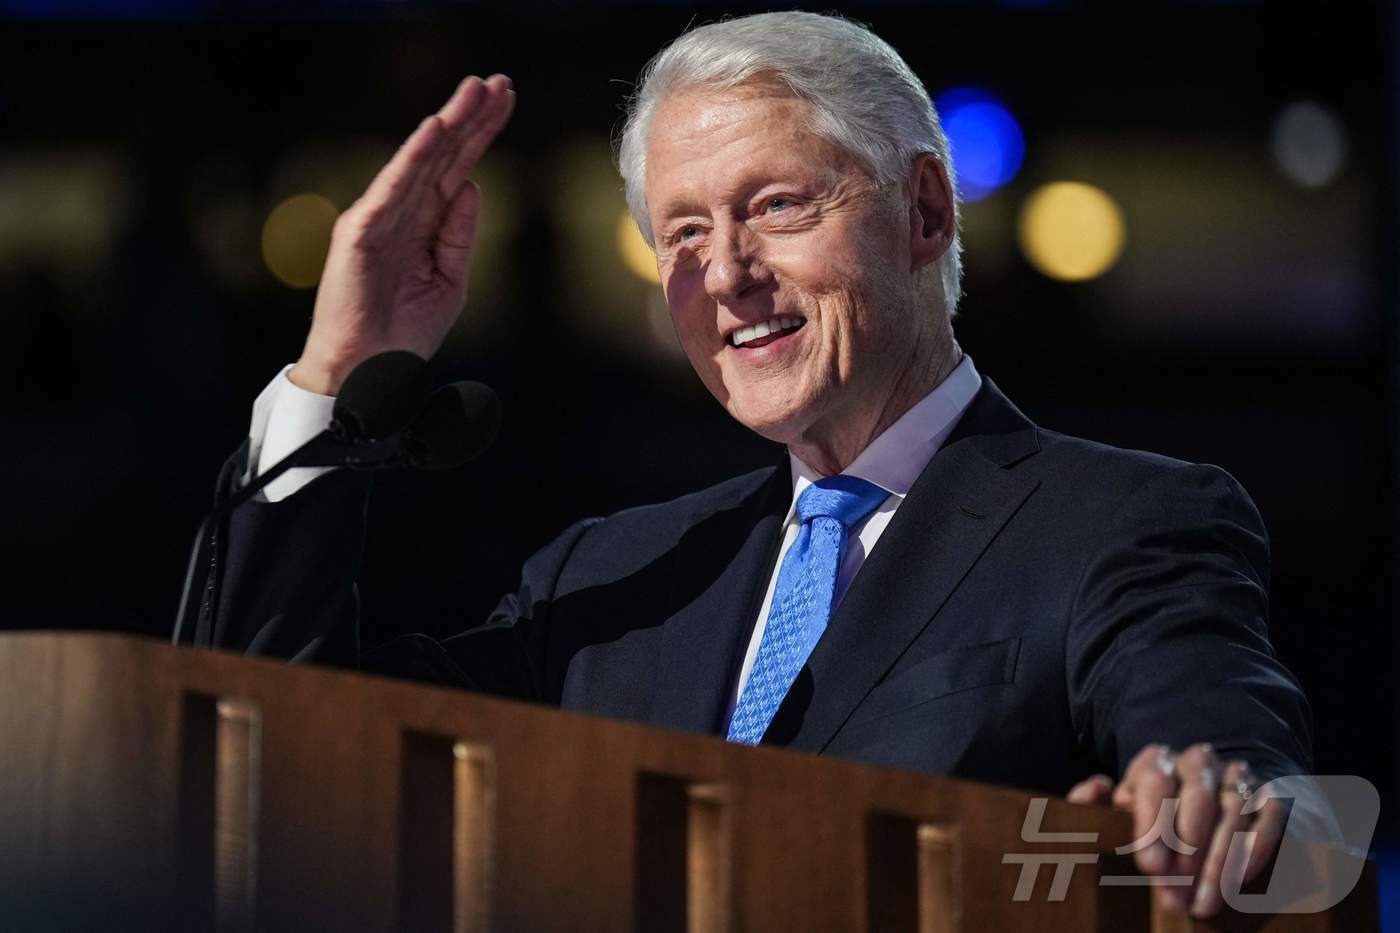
x=693, y=316
x=685, y=296
x=840, y=292
x=858, y=273
x=823, y=266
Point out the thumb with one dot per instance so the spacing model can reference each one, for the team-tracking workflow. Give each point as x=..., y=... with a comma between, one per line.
x=457, y=232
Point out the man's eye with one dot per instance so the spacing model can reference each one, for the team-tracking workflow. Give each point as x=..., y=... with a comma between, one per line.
x=777, y=204
x=686, y=233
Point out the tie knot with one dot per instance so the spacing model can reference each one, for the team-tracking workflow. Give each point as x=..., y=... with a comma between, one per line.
x=848, y=499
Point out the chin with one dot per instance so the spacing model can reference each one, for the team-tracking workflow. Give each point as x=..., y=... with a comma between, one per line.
x=781, y=425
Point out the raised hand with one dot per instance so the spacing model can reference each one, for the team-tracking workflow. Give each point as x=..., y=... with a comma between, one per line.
x=396, y=274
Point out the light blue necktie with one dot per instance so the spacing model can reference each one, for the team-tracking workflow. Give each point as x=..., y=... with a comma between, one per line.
x=801, y=606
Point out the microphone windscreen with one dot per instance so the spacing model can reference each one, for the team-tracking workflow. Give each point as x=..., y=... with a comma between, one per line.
x=458, y=423
x=380, y=395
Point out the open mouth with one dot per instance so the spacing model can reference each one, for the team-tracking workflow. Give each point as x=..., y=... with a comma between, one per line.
x=765, y=332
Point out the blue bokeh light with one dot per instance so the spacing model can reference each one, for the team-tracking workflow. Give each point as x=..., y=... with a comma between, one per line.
x=986, y=141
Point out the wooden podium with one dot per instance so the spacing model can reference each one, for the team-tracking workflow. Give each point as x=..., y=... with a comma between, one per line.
x=145, y=787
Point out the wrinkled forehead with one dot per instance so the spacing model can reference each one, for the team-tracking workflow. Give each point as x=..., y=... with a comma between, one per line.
x=689, y=114
x=707, y=130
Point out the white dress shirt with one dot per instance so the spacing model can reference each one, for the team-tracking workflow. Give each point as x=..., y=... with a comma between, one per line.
x=285, y=416
x=893, y=461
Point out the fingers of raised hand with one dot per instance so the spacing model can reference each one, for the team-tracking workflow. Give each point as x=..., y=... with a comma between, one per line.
x=395, y=185
x=471, y=118
x=434, y=151
x=466, y=100
x=475, y=105
x=470, y=132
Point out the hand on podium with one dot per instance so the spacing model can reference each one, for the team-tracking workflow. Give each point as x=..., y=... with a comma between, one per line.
x=1210, y=797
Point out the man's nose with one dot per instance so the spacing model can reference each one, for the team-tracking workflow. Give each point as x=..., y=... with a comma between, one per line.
x=734, y=267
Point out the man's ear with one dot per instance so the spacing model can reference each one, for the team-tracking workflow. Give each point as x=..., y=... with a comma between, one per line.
x=932, y=222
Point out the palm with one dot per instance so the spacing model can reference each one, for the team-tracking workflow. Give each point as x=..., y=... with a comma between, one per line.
x=396, y=274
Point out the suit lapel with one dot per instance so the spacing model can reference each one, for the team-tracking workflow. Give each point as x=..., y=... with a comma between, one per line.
x=701, y=645
x=952, y=514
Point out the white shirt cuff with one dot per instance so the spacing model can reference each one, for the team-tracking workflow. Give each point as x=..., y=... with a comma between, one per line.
x=285, y=416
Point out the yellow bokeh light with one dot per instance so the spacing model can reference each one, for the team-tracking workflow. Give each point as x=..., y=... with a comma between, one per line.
x=296, y=237
x=640, y=260
x=1071, y=231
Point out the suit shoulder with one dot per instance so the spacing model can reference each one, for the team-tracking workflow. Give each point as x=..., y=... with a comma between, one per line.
x=1071, y=450
x=1119, y=468
x=1117, y=483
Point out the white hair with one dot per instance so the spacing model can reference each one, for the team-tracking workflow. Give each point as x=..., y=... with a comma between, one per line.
x=864, y=98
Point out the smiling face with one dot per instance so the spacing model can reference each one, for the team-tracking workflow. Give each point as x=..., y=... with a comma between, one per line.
x=787, y=269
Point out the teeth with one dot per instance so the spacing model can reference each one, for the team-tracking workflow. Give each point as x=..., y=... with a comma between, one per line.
x=762, y=329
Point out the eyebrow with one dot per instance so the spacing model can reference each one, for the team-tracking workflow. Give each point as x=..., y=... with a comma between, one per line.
x=682, y=206
x=687, y=205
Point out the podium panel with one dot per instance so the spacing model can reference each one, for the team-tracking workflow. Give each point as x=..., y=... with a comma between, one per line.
x=147, y=787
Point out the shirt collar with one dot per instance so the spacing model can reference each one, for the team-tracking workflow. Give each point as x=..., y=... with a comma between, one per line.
x=894, y=460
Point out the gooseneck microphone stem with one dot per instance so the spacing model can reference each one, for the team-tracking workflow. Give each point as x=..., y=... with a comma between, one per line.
x=378, y=398
x=380, y=420
x=327, y=449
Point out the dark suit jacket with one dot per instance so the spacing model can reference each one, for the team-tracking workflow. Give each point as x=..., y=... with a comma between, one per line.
x=1039, y=609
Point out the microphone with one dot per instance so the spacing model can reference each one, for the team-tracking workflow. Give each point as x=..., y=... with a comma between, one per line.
x=380, y=396
x=457, y=424
x=376, y=401
x=373, y=426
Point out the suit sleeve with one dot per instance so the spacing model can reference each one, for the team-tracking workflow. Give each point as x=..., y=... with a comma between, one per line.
x=1168, y=641
x=510, y=655
x=282, y=579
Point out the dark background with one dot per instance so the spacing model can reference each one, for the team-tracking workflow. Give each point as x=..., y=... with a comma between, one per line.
x=1250, y=322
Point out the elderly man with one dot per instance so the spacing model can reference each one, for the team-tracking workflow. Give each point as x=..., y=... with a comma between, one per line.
x=929, y=581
